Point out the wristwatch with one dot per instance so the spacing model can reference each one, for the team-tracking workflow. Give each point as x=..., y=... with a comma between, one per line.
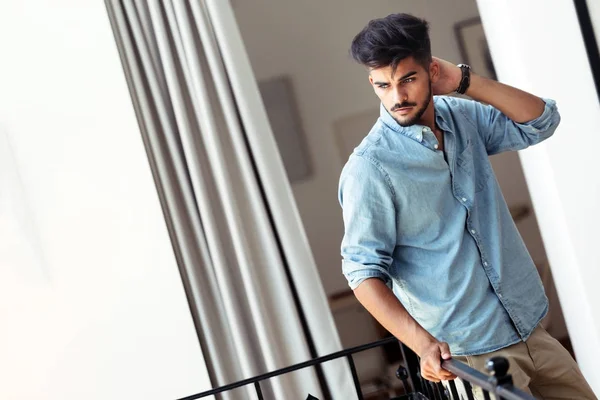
x=465, y=81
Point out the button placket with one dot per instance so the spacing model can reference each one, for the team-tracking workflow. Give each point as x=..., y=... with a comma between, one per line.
x=430, y=135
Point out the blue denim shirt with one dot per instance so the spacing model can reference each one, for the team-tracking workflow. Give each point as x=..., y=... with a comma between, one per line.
x=437, y=229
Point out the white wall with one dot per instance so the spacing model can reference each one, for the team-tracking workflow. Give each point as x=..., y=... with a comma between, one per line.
x=561, y=173
x=309, y=40
x=91, y=303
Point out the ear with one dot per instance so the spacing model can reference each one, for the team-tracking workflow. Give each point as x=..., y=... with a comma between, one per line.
x=434, y=70
x=370, y=79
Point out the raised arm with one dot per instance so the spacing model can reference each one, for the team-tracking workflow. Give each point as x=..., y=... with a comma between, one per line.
x=506, y=118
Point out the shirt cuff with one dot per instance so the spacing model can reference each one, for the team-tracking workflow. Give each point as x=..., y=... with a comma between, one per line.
x=357, y=273
x=544, y=122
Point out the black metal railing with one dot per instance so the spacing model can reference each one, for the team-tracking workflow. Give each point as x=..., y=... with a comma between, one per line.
x=499, y=382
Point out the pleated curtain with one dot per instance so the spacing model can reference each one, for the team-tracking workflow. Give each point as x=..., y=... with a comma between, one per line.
x=252, y=284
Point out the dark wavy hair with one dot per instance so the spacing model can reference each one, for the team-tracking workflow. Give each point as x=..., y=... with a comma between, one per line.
x=387, y=41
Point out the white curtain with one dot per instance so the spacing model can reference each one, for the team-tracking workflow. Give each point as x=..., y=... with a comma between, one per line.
x=243, y=255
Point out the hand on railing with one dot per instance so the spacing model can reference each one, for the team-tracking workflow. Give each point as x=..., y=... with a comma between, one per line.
x=431, y=367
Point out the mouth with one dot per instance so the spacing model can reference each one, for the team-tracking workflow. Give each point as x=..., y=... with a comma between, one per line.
x=403, y=110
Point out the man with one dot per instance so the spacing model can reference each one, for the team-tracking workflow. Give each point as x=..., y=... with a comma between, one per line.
x=430, y=248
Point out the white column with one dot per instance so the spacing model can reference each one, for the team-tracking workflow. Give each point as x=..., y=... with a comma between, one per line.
x=91, y=302
x=537, y=46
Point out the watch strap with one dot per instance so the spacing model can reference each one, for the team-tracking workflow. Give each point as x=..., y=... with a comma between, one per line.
x=465, y=80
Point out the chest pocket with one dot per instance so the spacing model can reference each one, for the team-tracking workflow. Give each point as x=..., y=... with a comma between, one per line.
x=475, y=167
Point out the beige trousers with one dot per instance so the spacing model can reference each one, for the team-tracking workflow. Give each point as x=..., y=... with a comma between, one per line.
x=541, y=366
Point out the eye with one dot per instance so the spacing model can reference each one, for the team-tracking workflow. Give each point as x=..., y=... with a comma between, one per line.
x=384, y=86
x=408, y=80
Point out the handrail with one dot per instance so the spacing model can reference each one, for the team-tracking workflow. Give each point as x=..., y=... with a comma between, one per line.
x=309, y=363
x=499, y=382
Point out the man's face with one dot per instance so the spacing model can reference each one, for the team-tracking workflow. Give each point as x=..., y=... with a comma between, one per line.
x=407, y=94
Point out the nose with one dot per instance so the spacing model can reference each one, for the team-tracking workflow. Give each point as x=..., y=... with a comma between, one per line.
x=400, y=95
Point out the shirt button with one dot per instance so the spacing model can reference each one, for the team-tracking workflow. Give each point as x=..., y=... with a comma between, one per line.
x=499, y=296
x=435, y=146
x=473, y=231
x=485, y=264
x=464, y=199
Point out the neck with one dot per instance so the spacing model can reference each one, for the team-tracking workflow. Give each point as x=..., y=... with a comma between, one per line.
x=428, y=117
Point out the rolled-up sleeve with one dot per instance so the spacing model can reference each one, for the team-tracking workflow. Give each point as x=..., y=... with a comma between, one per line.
x=501, y=134
x=367, y=199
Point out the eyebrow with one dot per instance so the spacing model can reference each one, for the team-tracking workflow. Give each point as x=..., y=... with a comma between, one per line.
x=408, y=75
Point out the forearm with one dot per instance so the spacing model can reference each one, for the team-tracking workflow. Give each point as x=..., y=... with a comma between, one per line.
x=381, y=302
x=516, y=104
